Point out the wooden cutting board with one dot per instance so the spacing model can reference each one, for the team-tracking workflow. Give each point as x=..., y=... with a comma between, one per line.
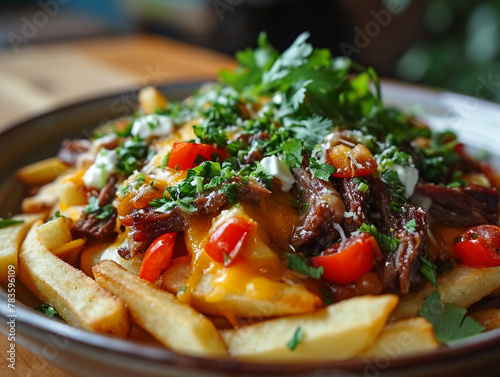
x=42, y=77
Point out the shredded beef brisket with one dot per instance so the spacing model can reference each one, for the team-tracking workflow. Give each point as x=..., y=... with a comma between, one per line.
x=94, y=229
x=147, y=223
x=325, y=210
x=71, y=150
x=462, y=206
x=399, y=270
x=356, y=203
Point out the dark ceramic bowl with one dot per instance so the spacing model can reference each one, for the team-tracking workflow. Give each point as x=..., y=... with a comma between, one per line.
x=87, y=354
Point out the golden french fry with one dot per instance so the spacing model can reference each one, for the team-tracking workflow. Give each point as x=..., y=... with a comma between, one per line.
x=11, y=239
x=41, y=172
x=150, y=100
x=78, y=299
x=44, y=200
x=70, y=251
x=489, y=318
x=94, y=254
x=408, y=336
x=176, y=325
x=462, y=286
x=338, y=332
x=55, y=232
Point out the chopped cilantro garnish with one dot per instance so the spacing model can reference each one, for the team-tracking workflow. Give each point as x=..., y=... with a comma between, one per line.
x=292, y=150
x=297, y=262
x=102, y=212
x=321, y=171
x=93, y=205
x=130, y=155
x=48, y=310
x=385, y=242
x=4, y=223
x=449, y=320
x=296, y=339
x=105, y=212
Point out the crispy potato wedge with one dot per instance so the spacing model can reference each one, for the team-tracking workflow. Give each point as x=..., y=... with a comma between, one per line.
x=462, y=286
x=408, y=336
x=41, y=172
x=11, y=239
x=489, y=318
x=340, y=331
x=78, y=299
x=176, y=325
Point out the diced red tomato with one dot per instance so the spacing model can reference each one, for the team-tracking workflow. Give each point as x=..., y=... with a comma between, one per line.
x=479, y=246
x=183, y=155
x=344, y=264
x=157, y=257
x=351, y=162
x=226, y=241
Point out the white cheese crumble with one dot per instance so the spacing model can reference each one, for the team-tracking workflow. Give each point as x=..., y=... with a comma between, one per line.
x=278, y=169
x=152, y=125
x=408, y=175
x=104, y=165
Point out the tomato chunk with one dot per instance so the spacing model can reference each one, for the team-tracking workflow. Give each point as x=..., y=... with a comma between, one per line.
x=226, y=241
x=157, y=257
x=351, y=162
x=479, y=246
x=183, y=155
x=344, y=264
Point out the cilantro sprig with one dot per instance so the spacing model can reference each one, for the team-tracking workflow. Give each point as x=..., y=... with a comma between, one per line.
x=449, y=321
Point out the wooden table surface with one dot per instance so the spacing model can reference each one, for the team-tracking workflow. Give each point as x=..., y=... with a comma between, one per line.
x=43, y=77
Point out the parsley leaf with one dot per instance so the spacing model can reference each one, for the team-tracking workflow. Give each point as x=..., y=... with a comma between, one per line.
x=297, y=262
x=296, y=339
x=449, y=321
x=48, y=310
x=385, y=242
x=4, y=223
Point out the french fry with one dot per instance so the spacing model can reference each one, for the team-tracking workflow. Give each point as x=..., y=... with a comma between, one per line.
x=11, y=239
x=55, y=232
x=462, y=286
x=41, y=172
x=489, y=318
x=338, y=332
x=408, y=336
x=94, y=254
x=78, y=299
x=44, y=200
x=150, y=100
x=276, y=298
x=176, y=325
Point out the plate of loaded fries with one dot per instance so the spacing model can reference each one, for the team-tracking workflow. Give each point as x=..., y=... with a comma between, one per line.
x=297, y=216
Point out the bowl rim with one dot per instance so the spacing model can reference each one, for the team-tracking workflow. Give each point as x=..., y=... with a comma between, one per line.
x=34, y=321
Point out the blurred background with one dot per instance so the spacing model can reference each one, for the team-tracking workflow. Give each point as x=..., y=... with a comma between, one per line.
x=58, y=51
